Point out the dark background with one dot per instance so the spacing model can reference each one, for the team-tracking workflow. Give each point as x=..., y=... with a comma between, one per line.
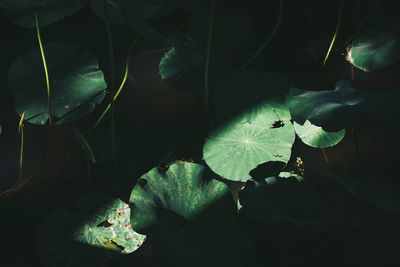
x=155, y=122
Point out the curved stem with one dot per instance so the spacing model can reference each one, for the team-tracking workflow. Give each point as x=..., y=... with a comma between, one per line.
x=21, y=130
x=208, y=52
x=278, y=23
x=45, y=67
x=122, y=84
x=336, y=32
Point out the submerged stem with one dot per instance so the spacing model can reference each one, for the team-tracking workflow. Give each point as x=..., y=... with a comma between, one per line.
x=45, y=67
x=278, y=23
x=21, y=130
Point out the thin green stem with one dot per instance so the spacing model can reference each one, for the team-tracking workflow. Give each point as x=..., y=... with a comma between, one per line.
x=336, y=32
x=208, y=52
x=122, y=84
x=21, y=130
x=278, y=23
x=45, y=67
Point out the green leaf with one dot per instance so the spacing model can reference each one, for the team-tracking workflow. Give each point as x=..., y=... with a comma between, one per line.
x=315, y=136
x=85, y=145
x=384, y=194
x=262, y=133
x=21, y=12
x=76, y=83
x=69, y=237
x=378, y=46
x=231, y=29
x=291, y=199
x=334, y=110
x=187, y=216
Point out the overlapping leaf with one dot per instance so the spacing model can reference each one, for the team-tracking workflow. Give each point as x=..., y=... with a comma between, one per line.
x=279, y=199
x=76, y=83
x=315, y=136
x=186, y=215
x=334, y=110
x=95, y=230
x=378, y=46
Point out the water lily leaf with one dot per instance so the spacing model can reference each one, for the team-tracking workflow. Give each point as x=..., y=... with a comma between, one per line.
x=379, y=191
x=185, y=213
x=260, y=134
x=186, y=72
x=378, y=46
x=49, y=11
x=76, y=83
x=334, y=110
x=315, y=136
x=95, y=227
x=246, y=87
x=175, y=62
x=287, y=198
x=231, y=29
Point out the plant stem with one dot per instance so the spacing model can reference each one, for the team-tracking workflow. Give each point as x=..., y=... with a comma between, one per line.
x=45, y=67
x=325, y=156
x=21, y=130
x=278, y=23
x=122, y=84
x=208, y=52
x=111, y=90
x=336, y=32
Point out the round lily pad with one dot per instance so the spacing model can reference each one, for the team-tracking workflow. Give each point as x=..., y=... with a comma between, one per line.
x=378, y=46
x=290, y=198
x=260, y=134
x=231, y=29
x=187, y=216
x=95, y=229
x=49, y=11
x=76, y=83
x=315, y=136
x=246, y=87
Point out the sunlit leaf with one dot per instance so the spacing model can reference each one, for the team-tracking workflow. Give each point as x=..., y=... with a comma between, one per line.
x=315, y=136
x=95, y=227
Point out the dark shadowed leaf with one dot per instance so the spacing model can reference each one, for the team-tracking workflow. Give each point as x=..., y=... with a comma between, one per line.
x=85, y=145
x=291, y=198
x=22, y=12
x=334, y=110
x=384, y=194
x=76, y=83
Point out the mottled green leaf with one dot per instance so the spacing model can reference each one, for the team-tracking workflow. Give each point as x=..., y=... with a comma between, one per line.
x=260, y=134
x=279, y=199
x=334, y=110
x=378, y=46
x=378, y=190
x=22, y=12
x=76, y=83
x=96, y=227
x=187, y=216
x=230, y=29
x=315, y=136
